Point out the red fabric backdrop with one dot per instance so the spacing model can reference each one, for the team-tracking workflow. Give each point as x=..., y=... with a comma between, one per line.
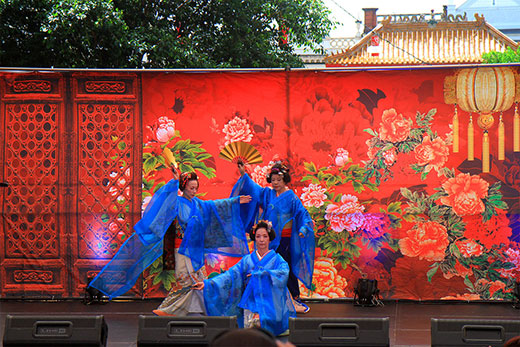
x=371, y=157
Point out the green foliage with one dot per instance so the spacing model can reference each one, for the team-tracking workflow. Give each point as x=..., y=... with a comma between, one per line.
x=377, y=168
x=341, y=246
x=21, y=39
x=332, y=177
x=159, y=34
x=509, y=56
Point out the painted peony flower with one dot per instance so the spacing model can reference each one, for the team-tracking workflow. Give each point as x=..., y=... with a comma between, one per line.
x=347, y=216
x=341, y=157
x=374, y=225
x=259, y=175
x=313, y=195
x=390, y=156
x=237, y=129
x=394, y=127
x=465, y=194
x=491, y=233
x=426, y=240
x=328, y=283
x=166, y=129
x=433, y=154
x=469, y=248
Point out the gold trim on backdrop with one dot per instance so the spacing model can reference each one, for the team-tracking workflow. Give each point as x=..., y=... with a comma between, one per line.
x=516, y=130
x=485, y=90
x=485, y=152
x=455, y=131
x=471, y=139
x=501, y=144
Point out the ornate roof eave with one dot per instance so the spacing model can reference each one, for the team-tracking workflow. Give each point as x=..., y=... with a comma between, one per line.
x=364, y=40
x=348, y=56
x=509, y=41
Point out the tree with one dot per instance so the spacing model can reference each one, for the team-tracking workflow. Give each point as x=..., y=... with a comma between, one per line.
x=158, y=33
x=509, y=56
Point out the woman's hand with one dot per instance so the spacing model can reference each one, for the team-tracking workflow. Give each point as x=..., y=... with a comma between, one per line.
x=198, y=286
x=241, y=167
x=244, y=199
x=175, y=173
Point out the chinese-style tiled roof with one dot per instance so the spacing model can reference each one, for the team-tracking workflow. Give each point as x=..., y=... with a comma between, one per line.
x=426, y=42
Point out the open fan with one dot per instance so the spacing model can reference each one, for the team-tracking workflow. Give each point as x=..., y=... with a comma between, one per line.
x=242, y=151
x=170, y=159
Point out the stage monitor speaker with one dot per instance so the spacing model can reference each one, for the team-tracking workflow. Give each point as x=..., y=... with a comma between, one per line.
x=181, y=331
x=55, y=331
x=340, y=331
x=472, y=332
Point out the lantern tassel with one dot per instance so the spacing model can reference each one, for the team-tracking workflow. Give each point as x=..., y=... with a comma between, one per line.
x=455, y=132
x=471, y=140
x=501, y=145
x=485, y=152
x=516, y=130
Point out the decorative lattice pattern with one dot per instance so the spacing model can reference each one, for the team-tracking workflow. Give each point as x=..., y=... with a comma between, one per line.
x=31, y=168
x=105, y=176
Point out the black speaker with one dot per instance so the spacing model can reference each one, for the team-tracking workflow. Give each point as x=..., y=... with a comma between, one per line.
x=85, y=331
x=472, y=332
x=340, y=331
x=181, y=331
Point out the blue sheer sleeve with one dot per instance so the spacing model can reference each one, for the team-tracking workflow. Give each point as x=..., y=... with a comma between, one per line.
x=267, y=294
x=302, y=244
x=264, y=292
x=210, y=227
x=143, y=247
x=214, y=227
x=222, y=293
x=249, y=212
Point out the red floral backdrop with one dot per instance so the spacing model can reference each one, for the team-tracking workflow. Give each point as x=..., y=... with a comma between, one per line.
x=370, y=154
x=371, y=158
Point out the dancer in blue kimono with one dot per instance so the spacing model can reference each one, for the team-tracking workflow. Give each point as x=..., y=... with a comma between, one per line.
x=292, y=223
x=254, y=289
x=203, y=227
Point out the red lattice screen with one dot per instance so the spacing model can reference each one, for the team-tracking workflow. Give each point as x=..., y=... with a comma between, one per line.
x=31, y=167
x=69, y=159
x=107, y=183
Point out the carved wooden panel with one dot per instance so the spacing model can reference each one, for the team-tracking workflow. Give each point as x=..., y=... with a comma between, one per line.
x=107, y=185
x=71, y=149
x=32, y=238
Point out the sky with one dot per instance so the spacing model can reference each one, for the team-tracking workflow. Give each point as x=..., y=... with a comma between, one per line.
x=347, y=26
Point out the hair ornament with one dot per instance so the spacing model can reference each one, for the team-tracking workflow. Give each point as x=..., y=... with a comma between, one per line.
x=186, y=177
x=278, y=167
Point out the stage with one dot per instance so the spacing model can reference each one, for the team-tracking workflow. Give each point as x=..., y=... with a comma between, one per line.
x=409, y=321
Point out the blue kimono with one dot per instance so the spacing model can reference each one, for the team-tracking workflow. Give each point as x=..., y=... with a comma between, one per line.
x=264, y=292
x=281, y=210
x=209, y=227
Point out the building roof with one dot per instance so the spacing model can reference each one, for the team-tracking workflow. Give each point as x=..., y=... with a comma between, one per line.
x=405, y=41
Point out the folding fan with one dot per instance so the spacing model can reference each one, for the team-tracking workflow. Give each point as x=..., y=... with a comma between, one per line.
x=170, y=159
x=240, y=151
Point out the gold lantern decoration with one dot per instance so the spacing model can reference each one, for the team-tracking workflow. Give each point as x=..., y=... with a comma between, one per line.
x=484, y=91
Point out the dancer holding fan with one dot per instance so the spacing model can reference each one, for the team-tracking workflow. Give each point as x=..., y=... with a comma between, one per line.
x=292, y=223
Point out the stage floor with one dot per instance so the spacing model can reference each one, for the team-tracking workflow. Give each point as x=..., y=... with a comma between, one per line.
x=409, y=321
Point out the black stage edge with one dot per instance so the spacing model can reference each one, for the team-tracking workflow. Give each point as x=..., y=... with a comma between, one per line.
x=409, y=321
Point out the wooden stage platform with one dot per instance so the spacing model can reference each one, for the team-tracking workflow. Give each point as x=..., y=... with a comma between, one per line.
x=409, y=321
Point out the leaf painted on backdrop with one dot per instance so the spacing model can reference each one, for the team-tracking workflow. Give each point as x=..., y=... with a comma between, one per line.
x=424, y=91
x=369, y=98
